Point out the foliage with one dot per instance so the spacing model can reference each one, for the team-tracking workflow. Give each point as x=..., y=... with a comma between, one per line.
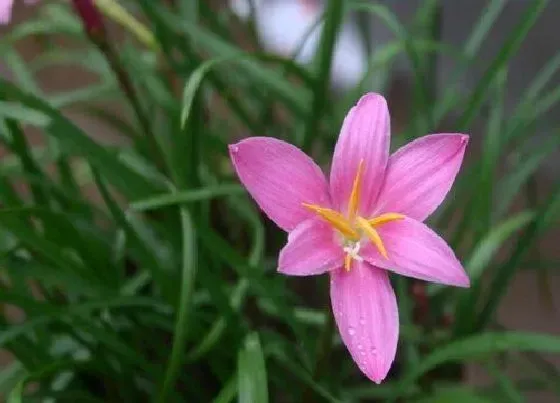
x=145, y=271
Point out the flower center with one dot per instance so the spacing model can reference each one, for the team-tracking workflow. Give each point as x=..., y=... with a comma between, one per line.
x=354, y=227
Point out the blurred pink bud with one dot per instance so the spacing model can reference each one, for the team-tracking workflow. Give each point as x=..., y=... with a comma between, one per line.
x=90, y=16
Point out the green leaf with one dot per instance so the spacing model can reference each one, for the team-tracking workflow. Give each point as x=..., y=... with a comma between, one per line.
x=481, y=345
x=487, y=247
x=486, y=21
x=323, y=65
x=251, y=372
x=16, y=395
x=43, y=313
x=507, y=51
x=74, y=141
x=191, y=87
x=228, y=392
x=217, y=329
x=11, y=110
x=10, y=375
x=455, y=394
x=141, y=248
x=546, y=216
x=188, y=274
x=187, y=196
x=302, y=374
x=492, y=148
x=291, y=96
x=48, y=249
x=505, y=384
x=527, y=164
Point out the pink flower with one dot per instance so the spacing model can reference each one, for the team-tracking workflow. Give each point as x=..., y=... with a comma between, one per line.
x=6, y=9
x=365, y=222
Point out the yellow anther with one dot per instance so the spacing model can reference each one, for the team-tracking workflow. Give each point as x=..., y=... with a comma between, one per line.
x=336, y=219
x=347, y=262
x=372, y=235
x=385, y=218
x=355, y=195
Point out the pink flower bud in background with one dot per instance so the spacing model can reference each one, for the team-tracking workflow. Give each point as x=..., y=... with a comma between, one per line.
x=90, y=16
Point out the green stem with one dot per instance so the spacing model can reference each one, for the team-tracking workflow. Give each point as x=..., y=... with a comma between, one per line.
x=127, y=87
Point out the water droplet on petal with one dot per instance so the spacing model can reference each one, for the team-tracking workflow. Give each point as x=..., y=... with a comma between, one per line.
x=373, y=351
x=360, y=347
x=362, y=321
x=351, y=331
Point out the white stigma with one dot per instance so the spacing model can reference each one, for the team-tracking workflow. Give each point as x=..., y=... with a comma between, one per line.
x=353, y=249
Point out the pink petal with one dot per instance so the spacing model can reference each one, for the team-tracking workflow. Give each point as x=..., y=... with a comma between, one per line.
x=414, y=250
x=364, y=136
x=6, y=11
x=365, y=310
x=420, y=174
x=311, y=249
x=280, y=177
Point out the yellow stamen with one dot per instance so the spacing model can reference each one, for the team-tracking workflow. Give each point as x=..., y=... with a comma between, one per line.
x=385, y=218
x=356, y=190
x=372, y=235
x=336, y=219
x=347, y=262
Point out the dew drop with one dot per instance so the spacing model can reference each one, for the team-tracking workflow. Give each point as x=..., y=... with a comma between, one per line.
x=234, y=148
x=373, y=351
x=362, y=321
x=351, y=331
x=360, y=348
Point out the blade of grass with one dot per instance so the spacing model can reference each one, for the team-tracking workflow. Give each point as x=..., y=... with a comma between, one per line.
x=228, y=392
x=526, y=165
x=75, y=141
x=510, y=47
x=323, y=65
x=144, y=253
x=184, y=302
x=506, y=385
x=10, y=110
x=252, y=381
x=187, y=196
x=485, y=250
x=546, y=216
x=481, y=345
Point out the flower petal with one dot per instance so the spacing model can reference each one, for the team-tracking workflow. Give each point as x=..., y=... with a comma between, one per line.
x=414, y=250
x=280, y=177
x=311, y=249
x=420, y=174
x=365, y=309
x=364, y=137
x=6, y=11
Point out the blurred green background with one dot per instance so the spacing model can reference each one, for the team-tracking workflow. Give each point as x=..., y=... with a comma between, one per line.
x=133, y=265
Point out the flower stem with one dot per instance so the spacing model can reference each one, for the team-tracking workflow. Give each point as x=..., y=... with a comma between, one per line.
x=92, y=21
x=127, y=87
